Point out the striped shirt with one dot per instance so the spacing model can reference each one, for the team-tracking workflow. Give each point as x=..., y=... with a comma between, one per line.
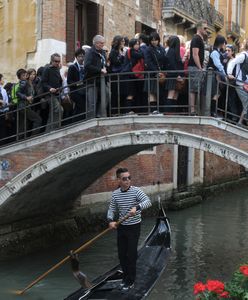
x=122, y=202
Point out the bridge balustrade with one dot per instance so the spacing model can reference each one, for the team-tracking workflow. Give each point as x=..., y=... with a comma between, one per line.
x=105, y=96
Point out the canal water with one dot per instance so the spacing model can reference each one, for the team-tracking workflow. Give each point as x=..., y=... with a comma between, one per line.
x=209, y=240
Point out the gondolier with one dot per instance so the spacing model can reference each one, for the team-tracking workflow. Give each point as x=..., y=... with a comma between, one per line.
x=152, y=259
x=132, y=200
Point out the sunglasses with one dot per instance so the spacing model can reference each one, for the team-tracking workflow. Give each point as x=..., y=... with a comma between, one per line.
x=126, y=178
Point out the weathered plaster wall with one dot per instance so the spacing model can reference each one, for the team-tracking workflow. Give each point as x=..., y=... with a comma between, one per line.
x=51, y=36
x=17, y=34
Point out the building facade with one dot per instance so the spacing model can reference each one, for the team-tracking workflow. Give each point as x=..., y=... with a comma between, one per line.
x=30, y=31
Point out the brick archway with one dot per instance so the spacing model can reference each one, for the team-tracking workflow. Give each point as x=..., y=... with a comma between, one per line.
x=57, y=167
x=129, y=143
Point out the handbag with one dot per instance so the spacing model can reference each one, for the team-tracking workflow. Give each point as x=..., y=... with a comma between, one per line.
x=161, y=78
x=180, y=85
x=138, y=67
x=161, y=75
x=66, y=103
x=245, y=87
x=242, y=65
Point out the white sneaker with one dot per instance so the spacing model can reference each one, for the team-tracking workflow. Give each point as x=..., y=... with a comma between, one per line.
x=127, y=287
x=155, y=112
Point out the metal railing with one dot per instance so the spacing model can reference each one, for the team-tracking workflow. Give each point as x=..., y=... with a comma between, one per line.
x=117, y=95
x=194, y=9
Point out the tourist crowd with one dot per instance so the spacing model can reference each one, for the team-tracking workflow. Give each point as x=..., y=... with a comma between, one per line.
x=141, y=75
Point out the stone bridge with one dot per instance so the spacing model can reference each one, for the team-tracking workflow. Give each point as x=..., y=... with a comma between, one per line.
x=45, y=175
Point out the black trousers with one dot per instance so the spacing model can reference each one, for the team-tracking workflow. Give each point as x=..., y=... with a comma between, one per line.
x=127, y=242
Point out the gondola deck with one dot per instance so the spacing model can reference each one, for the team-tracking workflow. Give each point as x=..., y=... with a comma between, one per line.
x=152, y=259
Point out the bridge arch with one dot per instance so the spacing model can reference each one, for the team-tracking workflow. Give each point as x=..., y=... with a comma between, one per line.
x=43, y=177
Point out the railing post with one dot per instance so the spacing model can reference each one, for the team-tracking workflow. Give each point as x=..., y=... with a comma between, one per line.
x=103, y=97
x=206, y=106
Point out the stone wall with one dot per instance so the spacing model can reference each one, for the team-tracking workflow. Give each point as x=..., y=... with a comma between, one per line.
x=147, y=169
x=217, y=170
x=121, y=16
x=54, y=20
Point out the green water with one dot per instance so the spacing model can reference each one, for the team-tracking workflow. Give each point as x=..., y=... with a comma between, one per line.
x=208, y=241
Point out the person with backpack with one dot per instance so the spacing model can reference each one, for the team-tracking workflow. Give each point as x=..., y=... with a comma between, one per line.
x=216, y=62
x=241, y=76
x=135, y=57
x=234, y=105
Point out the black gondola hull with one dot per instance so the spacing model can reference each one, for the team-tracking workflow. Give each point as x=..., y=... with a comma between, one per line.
x=152, y=260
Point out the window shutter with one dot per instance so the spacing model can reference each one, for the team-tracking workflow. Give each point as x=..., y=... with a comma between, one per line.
x=70, y=29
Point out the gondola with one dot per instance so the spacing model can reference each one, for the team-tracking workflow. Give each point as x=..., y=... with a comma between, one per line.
x=152, y=260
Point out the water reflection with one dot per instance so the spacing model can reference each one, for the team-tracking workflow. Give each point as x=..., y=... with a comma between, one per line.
x=208, y=240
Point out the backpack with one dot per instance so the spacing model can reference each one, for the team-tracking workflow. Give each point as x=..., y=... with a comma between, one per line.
x=14, y=91
x=244, y=68
x=39, y=88
x=138, y=67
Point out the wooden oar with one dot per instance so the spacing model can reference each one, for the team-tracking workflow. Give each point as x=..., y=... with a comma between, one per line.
x=85, y=245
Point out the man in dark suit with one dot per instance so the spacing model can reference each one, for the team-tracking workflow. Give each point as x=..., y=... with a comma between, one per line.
x=75, y=75
x=95, y=65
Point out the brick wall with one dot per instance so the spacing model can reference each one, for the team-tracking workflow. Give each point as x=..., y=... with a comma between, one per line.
x=58, y=18
x=217, y=169
x=54, y=20
x=154, y=167
x=120, y=16
x=149, y=169
x=146, y=169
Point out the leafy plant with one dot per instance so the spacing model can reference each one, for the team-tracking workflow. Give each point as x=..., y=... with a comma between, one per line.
x=235, y=289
